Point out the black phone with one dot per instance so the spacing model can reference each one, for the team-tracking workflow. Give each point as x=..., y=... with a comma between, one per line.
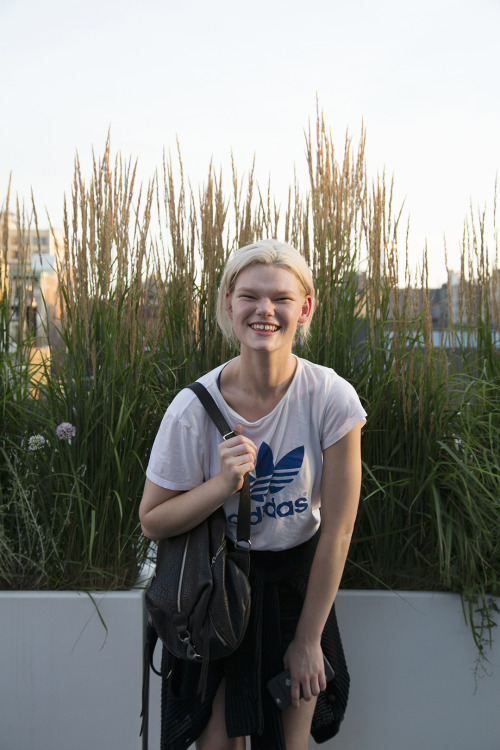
x=280, y=686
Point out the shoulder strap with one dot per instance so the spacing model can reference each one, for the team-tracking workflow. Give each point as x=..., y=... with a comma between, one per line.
x=213, y=410
x=243, y=526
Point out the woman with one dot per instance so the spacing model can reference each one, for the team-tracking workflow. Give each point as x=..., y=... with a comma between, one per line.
x=298, y=431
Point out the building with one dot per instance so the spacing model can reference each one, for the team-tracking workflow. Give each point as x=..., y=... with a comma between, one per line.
x=29, y=262
x=455, y=308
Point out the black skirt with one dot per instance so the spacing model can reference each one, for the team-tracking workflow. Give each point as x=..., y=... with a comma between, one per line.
x=279, y=583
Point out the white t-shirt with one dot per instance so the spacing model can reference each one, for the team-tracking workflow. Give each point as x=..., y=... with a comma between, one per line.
x=317, y=410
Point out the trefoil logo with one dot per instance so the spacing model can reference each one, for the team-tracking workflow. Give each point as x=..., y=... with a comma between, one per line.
x=269, y=480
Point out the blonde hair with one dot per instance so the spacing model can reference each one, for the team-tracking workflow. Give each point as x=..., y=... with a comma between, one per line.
x=268, y=253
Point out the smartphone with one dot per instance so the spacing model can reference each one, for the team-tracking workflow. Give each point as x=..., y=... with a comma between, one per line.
x=280, y=686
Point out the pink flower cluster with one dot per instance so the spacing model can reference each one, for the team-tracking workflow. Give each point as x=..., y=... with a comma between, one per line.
x=65, y=431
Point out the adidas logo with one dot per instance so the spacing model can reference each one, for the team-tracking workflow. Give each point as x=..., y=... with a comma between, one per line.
x=269, y=480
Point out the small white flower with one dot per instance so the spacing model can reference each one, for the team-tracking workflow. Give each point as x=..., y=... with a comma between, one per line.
x=36, y=442
x=65, y=431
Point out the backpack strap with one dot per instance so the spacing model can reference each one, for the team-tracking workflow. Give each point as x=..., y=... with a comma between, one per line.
x=243, y=525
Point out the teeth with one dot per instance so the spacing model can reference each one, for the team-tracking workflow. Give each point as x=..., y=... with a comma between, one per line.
x=264, y=327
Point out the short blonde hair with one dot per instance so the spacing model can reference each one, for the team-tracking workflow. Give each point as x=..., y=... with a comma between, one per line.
x=268, y=253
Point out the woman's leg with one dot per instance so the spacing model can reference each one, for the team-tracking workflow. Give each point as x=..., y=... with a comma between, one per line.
x=214, y=736
x=297, y=725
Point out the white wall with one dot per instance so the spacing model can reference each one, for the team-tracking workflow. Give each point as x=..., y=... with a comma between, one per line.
x=413, y=687
x=65, y=685
x=412, y=662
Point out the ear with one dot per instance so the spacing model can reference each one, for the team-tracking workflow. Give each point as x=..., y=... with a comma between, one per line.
x=306, y=309
x=229, y=307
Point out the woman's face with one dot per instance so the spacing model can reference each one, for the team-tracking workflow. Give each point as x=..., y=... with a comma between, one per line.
x=266, y=306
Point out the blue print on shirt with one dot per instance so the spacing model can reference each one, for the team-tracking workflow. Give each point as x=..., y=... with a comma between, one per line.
x=271, y=478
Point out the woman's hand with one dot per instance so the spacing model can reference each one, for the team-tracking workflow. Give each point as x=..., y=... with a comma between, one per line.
x=307, y=669
x=237, y=457
x=166, y=513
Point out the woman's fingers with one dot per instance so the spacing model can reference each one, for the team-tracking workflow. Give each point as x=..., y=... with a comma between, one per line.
x=295, y=694
x=307, y=690
x=238, y=446
x=237, y=456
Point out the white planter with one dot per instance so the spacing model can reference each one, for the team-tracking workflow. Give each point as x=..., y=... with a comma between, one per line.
x=64, y=683
x=411, y=658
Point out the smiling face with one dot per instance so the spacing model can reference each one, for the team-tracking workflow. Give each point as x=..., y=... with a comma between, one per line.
x=265, y=307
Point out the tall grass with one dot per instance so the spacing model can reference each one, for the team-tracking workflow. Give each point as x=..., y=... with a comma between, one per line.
x=138, y=323
x=77, y=498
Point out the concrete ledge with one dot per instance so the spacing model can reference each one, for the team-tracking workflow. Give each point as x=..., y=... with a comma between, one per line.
x=412, y=661
x=66, y=683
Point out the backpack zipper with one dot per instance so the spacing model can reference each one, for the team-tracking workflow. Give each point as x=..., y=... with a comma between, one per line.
x=181, y=574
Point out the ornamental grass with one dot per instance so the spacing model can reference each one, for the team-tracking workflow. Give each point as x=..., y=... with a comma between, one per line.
x=137, y=282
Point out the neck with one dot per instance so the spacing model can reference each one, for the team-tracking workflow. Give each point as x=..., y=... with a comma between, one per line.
x=253, y=385
x=263, y=375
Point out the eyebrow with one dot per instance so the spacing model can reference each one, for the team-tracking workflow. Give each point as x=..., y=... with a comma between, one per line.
x=253, y=290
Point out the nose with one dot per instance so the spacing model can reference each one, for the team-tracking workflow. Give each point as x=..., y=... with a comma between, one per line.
x=265, y=307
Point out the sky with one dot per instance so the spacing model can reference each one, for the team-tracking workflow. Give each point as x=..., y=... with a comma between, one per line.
x=421, y=76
